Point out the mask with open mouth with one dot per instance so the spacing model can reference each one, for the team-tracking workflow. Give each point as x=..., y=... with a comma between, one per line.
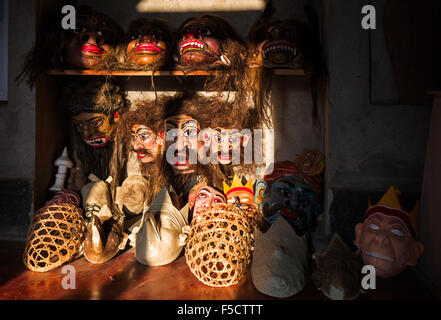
x=207, y=41
x=95, y=36
x=277, y=44
x=95, y=108
x=94, y=128
x=149, y=42
x=289, y=194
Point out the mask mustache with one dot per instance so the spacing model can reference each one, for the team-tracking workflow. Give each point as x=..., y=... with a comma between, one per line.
x=145, y=151
x=270, y=211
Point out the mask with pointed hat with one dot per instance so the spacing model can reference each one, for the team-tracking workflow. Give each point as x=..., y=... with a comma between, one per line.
x=388, y=237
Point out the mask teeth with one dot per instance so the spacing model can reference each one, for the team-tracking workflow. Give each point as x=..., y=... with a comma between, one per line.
x=225, y=60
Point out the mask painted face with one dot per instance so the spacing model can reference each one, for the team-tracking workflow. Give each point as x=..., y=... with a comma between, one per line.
x=205, y=197
x=182, y=143
x=145, y=143
x=198, y=44
x=238, y=192
x=386, y=243
x=294, y=200
x=148, y=45
x=92, y=40
x=276, y=44
x=227, y=145
x=94, y=128
x=311, y=162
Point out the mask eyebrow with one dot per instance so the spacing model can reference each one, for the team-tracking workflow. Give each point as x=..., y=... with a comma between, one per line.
x=220, y=196
x=171, y=123
x=189, y=123
x=87, y=121
x=288, y=183
x=146, y=130
x=204, y=189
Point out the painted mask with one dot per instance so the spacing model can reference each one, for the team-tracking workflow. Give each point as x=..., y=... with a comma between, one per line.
x=95, y=35
x=276, y=44
x=387, y=238
x=162, y=233
x=146, y=143
x=288, y=194
x=182, y=143
x=226, y=144
x=203, y=198
x=149, y=42
x=238, y=191
x=311, y=162
x=204, y=40
x=94, y=128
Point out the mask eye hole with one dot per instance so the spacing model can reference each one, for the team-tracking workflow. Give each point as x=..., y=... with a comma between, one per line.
x=397, y=232
x=80, y=29
x=202, y=196
x=190, y=133
x=97, y=123
x=285, y=193
x=137, y=35
x=171, y=135
x=105, y=34
x=204, y=31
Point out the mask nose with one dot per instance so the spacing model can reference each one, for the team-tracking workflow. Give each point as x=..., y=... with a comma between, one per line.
x=92, y=38
x=192, y=34
x=381, y=237
x=84, y=38
x=138, y=145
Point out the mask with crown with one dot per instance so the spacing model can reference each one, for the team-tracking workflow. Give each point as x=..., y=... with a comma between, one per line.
x=388, y=237
x=239, y=192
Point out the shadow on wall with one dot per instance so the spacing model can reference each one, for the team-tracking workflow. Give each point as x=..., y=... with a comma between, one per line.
x=15, y=204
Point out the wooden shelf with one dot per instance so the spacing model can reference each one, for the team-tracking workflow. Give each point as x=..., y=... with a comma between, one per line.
x=290, y=72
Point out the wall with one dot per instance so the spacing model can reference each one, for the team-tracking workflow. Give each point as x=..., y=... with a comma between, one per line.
x=370, y=146
x=17, y=128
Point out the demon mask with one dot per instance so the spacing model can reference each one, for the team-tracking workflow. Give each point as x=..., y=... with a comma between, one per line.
x=290, y=194
x=277, y=44
x=95, y=107
x=208, y=41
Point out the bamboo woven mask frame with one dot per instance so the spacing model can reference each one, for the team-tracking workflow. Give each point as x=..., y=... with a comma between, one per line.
x=220, y=245
x=55, y=235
